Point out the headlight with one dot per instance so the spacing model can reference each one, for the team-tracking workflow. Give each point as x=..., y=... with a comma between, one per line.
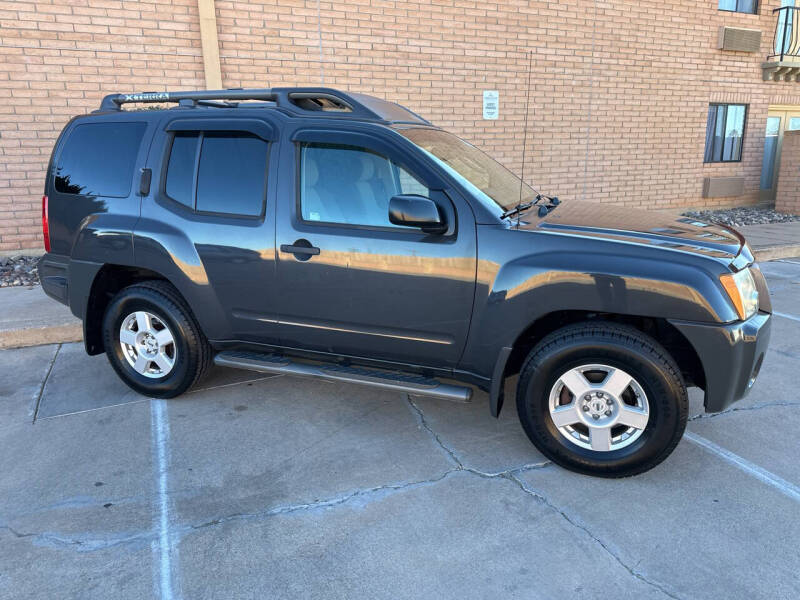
x=741, y=288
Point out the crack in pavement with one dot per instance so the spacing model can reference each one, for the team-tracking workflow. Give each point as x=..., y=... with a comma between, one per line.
x=44, y=383
x=743, y=409
x=363, y=496
x=368, y=495
x=82, y=544
x=511, y=475
x=633, y=572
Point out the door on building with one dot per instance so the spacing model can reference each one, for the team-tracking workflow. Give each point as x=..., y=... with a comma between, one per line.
x=780, y=120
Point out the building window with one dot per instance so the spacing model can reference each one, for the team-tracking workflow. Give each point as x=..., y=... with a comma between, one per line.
x=742, y=6
x=725, y=132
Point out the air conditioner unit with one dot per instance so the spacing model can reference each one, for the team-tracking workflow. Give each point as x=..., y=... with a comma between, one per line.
x=739, y=40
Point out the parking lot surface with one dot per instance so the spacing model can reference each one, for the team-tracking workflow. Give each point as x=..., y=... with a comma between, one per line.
x=276, y=487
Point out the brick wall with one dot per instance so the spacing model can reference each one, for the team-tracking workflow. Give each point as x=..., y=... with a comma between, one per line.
x=57, y=59
x=617, y=110
x=788, y=193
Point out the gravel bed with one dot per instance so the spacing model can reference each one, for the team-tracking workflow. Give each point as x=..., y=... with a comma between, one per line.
x=19, y=270
x=742, y=215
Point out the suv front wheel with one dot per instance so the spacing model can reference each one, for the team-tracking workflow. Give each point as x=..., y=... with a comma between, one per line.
x=602, y=399
x=152, y=340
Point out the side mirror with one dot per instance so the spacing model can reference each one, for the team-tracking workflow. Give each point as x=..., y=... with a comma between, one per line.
x=411, y=210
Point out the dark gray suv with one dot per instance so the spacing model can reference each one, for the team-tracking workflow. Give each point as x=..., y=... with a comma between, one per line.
x=319, y=233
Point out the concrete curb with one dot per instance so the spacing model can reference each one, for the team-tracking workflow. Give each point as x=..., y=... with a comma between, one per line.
x=39, y=336
x=777, y=252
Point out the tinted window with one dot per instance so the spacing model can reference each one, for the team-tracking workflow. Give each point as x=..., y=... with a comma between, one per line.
x=98, y=159
x=351, y=185
x=725, y=132
x=180, y=171
x=232, y=175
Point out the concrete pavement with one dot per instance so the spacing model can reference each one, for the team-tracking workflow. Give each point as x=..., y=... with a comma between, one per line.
x=254, y=487
x=774, y=240
x=28, y=317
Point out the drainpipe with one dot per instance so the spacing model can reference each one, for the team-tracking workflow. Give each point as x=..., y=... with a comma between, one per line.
x=210, y=44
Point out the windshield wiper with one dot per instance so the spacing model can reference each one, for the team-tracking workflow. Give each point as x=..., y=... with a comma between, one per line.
x=517, y=209
x=553, y=201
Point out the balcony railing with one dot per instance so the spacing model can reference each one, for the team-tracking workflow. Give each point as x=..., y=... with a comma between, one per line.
x=784, y=63
x=787, y=34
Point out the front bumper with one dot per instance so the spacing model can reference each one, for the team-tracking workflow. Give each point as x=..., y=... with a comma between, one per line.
x=731, y=354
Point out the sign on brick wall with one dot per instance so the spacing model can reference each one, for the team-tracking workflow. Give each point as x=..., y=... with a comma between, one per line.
x=491, y=104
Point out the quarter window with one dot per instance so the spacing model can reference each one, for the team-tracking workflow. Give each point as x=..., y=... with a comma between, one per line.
x=742, y=6
x=351, y=185
x=98, y=159
x=180, y=171
x=228, y=176
x=725, y=132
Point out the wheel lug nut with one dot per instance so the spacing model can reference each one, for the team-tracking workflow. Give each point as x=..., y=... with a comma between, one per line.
x=608, y=413
x=609, y=402
x=595, y=417
x=587, y=397
x=599, y=394
x=585, y=409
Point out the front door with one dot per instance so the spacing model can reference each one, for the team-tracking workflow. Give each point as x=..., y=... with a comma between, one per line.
x=779, y=120
x=352, y=283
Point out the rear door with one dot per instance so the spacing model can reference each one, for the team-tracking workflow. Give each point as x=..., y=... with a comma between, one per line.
x=211, y=220
x=363, y=286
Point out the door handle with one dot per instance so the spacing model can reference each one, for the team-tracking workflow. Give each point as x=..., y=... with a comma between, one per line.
x=302, y=249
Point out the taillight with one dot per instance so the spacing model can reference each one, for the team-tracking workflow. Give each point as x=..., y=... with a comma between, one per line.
x=45, y=225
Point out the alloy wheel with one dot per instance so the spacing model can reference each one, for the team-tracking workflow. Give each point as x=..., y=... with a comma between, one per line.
x=147, y=344
x=599, y=407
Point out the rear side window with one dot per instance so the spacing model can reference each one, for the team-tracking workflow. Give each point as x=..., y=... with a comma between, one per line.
x=229, y=176
x=98, y=159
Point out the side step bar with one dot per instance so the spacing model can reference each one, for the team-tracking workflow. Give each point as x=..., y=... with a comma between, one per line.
x=387, y=380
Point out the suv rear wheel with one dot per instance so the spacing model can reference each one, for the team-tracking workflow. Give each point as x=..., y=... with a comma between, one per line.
x=602, y=399
x=152, y=340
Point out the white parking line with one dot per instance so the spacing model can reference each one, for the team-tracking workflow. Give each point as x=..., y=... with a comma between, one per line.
x=785, y=316
x=162, y=548
x=783, y=486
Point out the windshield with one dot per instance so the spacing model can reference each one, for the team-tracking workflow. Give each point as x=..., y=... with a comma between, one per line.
x=484, y=177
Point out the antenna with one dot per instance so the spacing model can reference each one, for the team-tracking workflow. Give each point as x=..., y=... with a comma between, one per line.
x=525, y=134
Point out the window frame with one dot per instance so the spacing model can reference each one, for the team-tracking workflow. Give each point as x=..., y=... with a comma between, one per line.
x=756, y=8
x=201, y=133
x=399, y=229
x=724, y=127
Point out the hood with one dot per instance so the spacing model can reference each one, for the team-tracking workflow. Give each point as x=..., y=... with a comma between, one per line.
x=652, y=228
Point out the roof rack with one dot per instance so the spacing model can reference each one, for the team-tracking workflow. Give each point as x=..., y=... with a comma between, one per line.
x=301, y=101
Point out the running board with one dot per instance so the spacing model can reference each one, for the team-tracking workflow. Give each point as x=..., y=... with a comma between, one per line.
x=387, y=380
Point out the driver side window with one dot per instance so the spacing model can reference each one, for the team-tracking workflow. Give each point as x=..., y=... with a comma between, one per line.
x=350, y=185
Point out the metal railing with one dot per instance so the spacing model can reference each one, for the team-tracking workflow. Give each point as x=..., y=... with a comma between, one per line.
x=786, y=42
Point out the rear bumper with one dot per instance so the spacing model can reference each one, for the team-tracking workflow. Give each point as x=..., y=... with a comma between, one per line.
x=54, y=276
x=731, y=354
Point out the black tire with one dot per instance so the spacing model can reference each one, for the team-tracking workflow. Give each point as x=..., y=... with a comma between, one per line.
x=193, y=353
x=617, y=346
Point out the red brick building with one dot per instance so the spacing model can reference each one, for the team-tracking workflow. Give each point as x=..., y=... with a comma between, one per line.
x=622, y=93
